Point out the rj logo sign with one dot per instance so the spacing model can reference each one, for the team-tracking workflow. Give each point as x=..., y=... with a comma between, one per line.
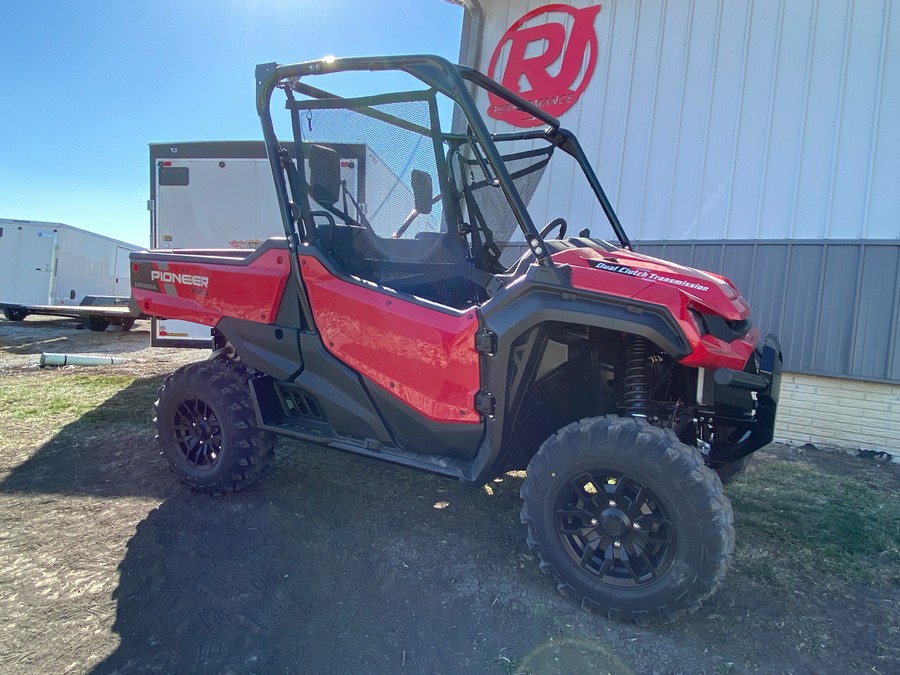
x=550, y=54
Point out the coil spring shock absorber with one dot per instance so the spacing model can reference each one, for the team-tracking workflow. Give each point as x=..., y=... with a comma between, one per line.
x=637, y=377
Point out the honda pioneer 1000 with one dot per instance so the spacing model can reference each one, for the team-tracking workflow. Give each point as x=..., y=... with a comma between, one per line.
x=395, y=320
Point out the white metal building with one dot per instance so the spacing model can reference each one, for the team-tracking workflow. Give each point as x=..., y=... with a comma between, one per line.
x=756, y=138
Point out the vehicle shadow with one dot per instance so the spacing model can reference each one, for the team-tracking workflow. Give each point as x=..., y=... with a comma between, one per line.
x=107, y=452
x=333, y=564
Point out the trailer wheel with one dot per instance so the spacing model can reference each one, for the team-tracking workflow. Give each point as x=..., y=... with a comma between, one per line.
x=127, y=324
x=207, y=428
x=97, y=323
x=627, y=519
x=14, y=314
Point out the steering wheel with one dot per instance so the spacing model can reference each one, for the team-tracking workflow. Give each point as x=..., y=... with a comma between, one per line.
x=548, y=228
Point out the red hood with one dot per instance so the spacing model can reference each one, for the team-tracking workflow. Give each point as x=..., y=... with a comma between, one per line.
x=642, y=277
x=680, y=289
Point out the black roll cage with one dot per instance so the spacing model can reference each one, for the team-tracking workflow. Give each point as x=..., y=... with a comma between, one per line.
x=444, y=77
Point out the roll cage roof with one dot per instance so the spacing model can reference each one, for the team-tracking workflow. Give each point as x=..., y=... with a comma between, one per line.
x=450, y=80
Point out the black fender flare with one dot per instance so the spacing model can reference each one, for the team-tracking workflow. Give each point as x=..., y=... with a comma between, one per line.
x=546, y=297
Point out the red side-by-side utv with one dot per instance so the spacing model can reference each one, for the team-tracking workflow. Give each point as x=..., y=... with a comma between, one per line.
x=395, y=320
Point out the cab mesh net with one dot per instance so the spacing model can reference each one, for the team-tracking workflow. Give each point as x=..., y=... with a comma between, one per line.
x=488, y=208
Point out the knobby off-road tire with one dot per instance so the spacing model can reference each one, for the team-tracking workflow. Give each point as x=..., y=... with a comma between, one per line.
x=628, y=519
x=206, y=426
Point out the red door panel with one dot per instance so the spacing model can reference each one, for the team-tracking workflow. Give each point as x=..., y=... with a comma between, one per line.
x=423, y=356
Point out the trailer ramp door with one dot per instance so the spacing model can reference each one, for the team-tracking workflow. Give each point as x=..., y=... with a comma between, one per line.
x=35, y=267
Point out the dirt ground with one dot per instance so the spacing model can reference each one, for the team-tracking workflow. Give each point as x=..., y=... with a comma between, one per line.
x=333, y=564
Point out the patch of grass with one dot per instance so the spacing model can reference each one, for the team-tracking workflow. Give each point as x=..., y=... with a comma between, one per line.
x=40, y=404
x=798, y=523
x=31, y=398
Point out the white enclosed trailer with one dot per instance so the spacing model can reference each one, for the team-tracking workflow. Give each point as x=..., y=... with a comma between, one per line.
x=220, y=194
x=57, y=269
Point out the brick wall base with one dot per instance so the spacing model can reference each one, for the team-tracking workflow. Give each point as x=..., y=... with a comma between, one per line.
x=831, y=412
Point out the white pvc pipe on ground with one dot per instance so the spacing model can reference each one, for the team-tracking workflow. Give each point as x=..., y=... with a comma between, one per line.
x=79, y=360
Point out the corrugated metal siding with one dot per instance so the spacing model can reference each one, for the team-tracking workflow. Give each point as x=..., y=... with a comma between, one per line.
x=835, y=305
x=771, y=125
x=739, y=119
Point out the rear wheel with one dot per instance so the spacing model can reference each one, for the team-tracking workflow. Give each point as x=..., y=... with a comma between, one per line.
x=627, y=519
x=207, y=428
x=97, y=323
x=14, y=314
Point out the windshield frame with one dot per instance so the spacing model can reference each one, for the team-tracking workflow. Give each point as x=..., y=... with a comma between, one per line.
x=451, y=81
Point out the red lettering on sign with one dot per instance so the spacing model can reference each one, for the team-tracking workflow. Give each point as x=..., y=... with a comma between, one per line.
x=576, y=54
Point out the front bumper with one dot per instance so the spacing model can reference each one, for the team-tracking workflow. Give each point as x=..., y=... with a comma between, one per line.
x=744, y=423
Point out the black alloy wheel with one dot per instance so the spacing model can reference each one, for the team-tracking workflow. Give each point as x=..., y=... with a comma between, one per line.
x=198, y=432
x=628, y=519
x=614, y=528
x=206, y=425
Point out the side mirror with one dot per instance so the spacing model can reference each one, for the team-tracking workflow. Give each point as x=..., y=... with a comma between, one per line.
x=324, y=174
x=423, y=191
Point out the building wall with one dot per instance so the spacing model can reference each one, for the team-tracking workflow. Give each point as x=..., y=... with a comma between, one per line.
x=752, y=138
x=737, y=119
x=757, y=139
x=835, y=305
x=831, y=412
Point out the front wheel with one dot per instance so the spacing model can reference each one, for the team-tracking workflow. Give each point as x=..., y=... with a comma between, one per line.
x=627, y=519
x=207, y=428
